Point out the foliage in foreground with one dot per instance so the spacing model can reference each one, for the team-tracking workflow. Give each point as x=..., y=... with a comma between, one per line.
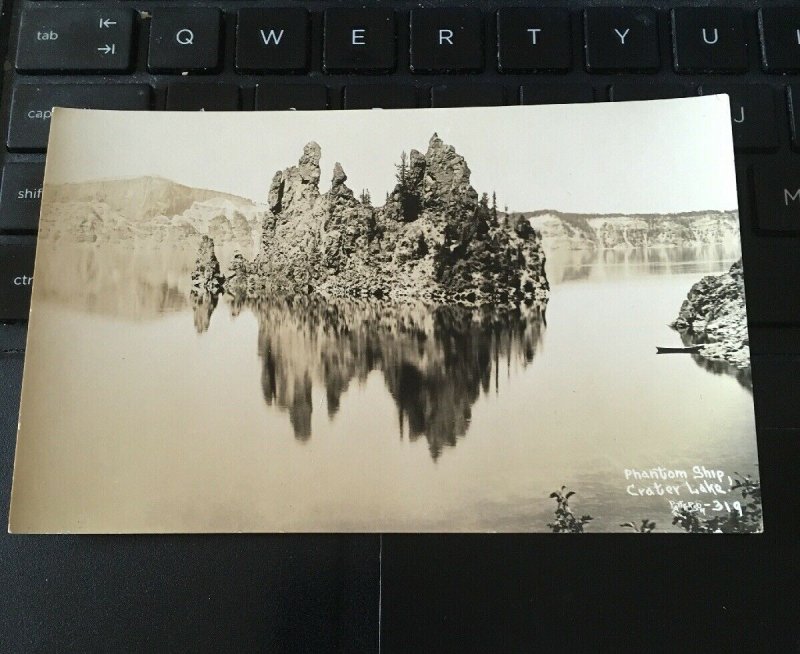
x=644, y=527
x=745, y=521
x=748, y=522
x=565, y=520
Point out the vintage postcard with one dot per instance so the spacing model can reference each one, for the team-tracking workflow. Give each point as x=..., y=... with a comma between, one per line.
x=514, y=319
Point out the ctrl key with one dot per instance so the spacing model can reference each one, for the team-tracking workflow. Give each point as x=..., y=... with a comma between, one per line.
x=777, y=196
x=16, y=280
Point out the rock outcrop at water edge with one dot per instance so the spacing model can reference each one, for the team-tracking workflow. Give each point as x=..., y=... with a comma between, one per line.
x=714, y=314
x=206, y=276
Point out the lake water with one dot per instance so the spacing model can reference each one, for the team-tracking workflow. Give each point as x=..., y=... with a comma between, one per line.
x=157, y=411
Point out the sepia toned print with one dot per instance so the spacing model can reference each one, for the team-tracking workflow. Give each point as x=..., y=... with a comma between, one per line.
x=525, y=319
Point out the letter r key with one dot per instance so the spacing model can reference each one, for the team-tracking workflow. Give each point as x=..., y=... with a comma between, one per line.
x=446, y=40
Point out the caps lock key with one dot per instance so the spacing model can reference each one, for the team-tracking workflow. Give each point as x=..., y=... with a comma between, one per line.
x=80, y=39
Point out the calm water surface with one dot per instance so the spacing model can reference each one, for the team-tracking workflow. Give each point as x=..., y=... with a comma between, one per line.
x=308, y=415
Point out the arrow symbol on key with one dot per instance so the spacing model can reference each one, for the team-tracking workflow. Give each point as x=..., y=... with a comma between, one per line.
x=108, y=49
x=107, y=22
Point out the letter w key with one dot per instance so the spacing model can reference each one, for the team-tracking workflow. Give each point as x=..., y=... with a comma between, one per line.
x=270, y=40
x=271, y=36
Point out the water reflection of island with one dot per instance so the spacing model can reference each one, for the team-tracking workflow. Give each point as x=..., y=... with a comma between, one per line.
x=435, y=360
x=743, y=375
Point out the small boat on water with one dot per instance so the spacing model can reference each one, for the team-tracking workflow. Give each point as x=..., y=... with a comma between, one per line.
x=692, y=349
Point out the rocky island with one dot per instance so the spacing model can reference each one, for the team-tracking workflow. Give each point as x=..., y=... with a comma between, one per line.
x=714, y=315
x=434, y=239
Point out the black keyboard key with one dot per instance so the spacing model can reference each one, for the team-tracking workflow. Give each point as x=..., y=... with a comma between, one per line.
x=380, y=96
x=31, y=107
x=752, y=114
x=772, y=271
x=188, y=96
x=531, y=40
x=272, y=40
x=793, y=97
x=75, y=39
x=777, y=196
x=446, y=40
x=621, y=39
x=184, y=40
x=555, y=93
x=280, y=97
x=21, y=196
x=359, y=40
x=467, y=95
x=771, y=263
x=709, y=40
x=627, y=91
x=16, y=278
x=775, y=382
x=780, y=39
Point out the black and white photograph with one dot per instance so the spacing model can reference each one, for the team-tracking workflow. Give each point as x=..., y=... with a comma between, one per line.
x=512, y=319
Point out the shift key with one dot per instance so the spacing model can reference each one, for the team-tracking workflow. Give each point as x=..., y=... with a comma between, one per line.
x=16, y=279
x=32, y=105
x=21, y=197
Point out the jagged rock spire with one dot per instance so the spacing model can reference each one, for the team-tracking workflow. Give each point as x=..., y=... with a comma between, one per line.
x=206, y=276
x=339, y=176
x=308, y=165
x=297, y=183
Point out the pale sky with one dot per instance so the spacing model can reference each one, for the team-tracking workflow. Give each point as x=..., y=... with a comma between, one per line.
x=631, y=157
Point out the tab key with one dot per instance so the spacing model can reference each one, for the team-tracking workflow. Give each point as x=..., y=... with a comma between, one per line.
x=75, y=40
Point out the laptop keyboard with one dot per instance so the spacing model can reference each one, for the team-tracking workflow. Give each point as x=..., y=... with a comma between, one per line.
x=232, y=56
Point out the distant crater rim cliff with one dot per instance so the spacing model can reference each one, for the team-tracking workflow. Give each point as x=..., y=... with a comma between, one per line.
x=583, y=231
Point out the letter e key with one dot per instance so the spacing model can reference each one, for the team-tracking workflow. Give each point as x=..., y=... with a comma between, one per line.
x=359, y=40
